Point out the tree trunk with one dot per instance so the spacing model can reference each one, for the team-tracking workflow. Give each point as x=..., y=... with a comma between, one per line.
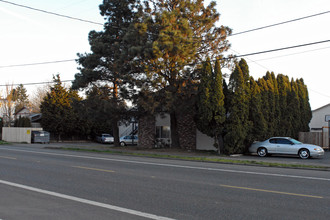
x=115, y=131
x=175, y=143
x=221, y=144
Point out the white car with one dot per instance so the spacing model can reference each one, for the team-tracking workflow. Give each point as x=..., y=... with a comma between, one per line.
x=285, y=145
x=128, y=139
x=104, y=139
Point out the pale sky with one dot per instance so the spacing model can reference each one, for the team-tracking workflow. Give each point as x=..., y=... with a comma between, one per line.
x=33, y=37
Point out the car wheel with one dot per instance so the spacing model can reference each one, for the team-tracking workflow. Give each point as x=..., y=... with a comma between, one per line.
x=262, y=152
x=304, y=154
x=122, y=144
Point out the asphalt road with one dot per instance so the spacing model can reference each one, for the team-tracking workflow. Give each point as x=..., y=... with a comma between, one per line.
x=40, y=183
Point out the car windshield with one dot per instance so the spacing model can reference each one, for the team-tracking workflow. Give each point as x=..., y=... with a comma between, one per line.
x=295, y=141
x=106, y=135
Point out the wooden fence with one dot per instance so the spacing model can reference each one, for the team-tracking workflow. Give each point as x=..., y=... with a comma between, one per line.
x=318, y=138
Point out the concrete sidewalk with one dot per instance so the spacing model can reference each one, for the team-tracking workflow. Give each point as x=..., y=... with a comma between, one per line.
x=292, y=160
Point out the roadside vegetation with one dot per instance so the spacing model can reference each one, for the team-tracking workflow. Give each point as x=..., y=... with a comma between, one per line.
x=3, y=142
x=168, y=56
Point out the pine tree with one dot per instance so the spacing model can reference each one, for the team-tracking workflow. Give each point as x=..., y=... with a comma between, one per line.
x=20, y=97
x=108, y=65
x=178, y=34
x=58, y=116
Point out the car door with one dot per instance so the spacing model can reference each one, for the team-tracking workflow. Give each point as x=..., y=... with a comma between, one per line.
x=284, y=146
x=127, y=140
x=272, y=146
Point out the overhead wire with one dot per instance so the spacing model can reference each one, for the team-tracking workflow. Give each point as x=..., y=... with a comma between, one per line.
x=237, y=56
x=280, y=23
x=283, y=48
x=98, y=23
x=286, y=55
x=39, y=63
x=52, y=13
x=36, y=83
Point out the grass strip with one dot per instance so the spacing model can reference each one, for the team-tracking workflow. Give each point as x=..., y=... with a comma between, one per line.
x=3, y=142
x=202, y=159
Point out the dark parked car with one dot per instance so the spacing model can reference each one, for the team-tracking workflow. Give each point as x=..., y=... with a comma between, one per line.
x=40, y=137
x=105, y=139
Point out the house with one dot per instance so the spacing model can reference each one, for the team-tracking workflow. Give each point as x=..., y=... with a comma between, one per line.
x=319, y=118
x=319, y=128
x=22, y=112
x=35, y=118
x=154, y=131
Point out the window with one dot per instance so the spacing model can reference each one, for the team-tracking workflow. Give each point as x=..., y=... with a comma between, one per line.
x=283, y=141
x=163, y=132
x=273, y=141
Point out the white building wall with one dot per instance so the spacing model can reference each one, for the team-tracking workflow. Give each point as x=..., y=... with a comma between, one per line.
x=204, y=142
x=23, y=113
x=318, y=118
x=18, y=135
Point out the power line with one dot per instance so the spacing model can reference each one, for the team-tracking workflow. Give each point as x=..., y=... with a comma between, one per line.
x=40, y=63
x=51, y=13
x=283, y=48
x=37, y=83
x=253, y=61
x=284, y=22
x=93, y=22
x=306, y=51
x=244, y=55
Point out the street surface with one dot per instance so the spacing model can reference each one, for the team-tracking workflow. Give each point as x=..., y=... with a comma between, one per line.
x=37, y=183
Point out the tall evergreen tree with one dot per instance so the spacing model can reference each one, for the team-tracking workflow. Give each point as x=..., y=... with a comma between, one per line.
x=272, y=103
x=265, y=106
x=305, y=108
x=97, y=111
x=277, y=112
x=259, y=124
x=284, y=89
x=210, y=103
x=107, y=64
x=204, y=99
x=294, y=109
x=58, y=116
x=246, y=80
x=218, y=105
x=180, y=34
x=20, y=97
x=237, y=123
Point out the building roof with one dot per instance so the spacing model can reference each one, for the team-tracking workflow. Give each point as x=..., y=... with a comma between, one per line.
x=325, y=106
x=20, y=110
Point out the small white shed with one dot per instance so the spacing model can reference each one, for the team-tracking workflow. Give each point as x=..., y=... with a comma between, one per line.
x=18, y=135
